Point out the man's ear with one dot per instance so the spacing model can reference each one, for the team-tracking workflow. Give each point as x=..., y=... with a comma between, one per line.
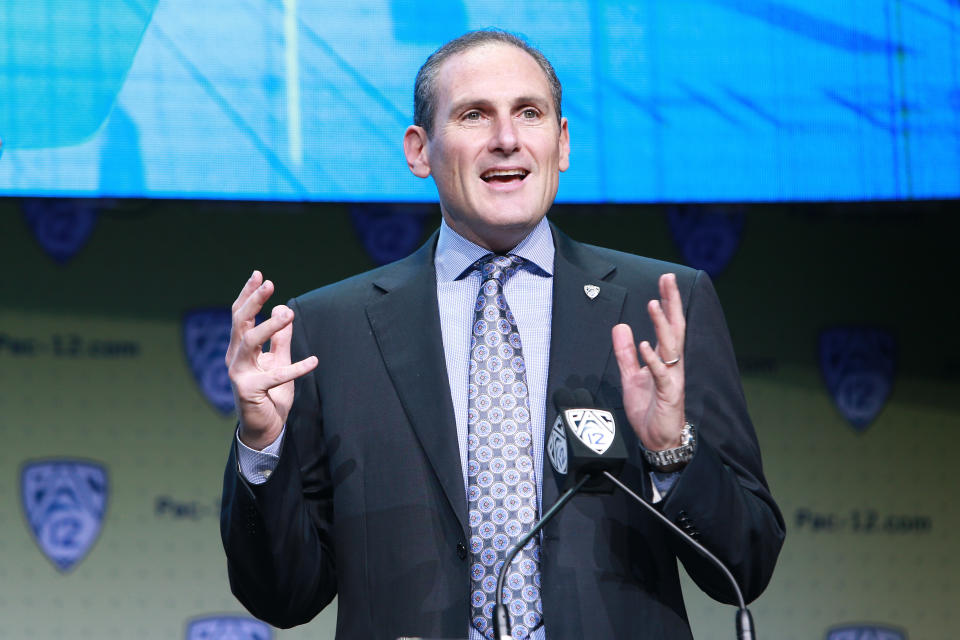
x=415, y=149
x=564, y=163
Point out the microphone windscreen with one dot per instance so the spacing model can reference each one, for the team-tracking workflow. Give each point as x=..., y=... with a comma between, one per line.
x=563, y=399
x=583, y=398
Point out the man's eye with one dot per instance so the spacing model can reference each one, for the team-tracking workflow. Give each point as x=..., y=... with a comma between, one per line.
x=472, y=115
x=530, y=114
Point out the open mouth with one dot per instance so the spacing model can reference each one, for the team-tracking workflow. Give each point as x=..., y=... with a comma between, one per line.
x=504, y=176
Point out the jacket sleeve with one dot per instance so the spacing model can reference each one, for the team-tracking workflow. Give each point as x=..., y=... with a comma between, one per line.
x=721, y=496
x=278, y=535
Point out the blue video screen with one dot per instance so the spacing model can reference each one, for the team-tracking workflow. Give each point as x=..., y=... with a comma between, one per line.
x=680, y=101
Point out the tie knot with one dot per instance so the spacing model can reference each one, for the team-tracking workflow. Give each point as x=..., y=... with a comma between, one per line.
x=499, y=268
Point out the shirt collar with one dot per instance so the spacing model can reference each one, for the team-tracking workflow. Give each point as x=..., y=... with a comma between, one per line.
x=455, y=254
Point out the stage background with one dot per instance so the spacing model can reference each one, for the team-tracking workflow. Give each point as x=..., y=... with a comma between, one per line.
x=107, y=307
x=154, y=152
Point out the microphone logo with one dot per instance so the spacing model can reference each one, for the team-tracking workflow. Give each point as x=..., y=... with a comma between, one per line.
x=557, y=446
x=594, y=427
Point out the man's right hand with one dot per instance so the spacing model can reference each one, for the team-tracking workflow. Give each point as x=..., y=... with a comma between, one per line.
x=262, y=381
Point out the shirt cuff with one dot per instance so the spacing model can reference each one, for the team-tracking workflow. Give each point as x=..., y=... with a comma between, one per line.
x=662, y=483
x=256, y=466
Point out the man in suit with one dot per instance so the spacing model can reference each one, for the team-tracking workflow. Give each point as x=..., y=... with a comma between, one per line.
x=358, y=468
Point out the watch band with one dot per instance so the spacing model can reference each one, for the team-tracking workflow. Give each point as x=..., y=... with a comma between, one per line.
x=676, y=458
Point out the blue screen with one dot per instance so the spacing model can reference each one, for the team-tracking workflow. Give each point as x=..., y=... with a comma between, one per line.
x=680, y=101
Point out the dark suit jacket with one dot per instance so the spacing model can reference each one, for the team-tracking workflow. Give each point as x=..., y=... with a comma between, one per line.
x=368, y=501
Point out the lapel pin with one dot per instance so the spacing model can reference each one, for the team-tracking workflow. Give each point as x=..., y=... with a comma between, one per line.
x=591, y=290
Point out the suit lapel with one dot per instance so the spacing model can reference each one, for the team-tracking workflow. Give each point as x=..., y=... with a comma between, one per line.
x=580, y=343
x=406, y=323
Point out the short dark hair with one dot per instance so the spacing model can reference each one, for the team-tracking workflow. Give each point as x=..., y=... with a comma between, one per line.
x=425, y=87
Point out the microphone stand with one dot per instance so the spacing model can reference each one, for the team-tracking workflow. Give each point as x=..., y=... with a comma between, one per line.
x=501, y=621
x=745, y=630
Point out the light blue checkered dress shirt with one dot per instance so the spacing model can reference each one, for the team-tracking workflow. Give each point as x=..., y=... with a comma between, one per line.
x=529, y=292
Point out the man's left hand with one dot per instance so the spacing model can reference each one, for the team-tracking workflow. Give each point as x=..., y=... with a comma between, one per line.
x=653, y=395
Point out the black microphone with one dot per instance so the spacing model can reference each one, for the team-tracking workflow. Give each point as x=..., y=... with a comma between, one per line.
x=585, y=447
x=584, y=441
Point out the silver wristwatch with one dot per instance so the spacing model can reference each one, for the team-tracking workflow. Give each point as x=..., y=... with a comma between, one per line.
x=673, y=459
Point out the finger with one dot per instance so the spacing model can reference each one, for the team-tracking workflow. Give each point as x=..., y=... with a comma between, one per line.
x=626, y=352
x=244, y=319
x=667, y=340
x=254, y=338
x=280, y=341
x=254, y=281
x=282, y=375
x=660, y=371
x=246, y=314
x=671, y=301
x=634, y=378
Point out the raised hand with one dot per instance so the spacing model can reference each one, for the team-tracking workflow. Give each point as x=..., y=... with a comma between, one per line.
x=653, y=395
x=262, y=381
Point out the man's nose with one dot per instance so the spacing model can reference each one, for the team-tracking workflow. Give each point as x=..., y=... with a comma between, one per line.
x=505, y=137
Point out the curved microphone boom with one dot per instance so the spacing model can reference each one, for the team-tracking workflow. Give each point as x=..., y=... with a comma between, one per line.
x=744, y=619
x=585, y=448
x=501, y=621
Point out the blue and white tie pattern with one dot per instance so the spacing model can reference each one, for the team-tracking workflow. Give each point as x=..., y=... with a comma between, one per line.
x=502, y=490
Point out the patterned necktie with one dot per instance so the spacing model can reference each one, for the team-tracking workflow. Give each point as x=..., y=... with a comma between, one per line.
x=502, y=490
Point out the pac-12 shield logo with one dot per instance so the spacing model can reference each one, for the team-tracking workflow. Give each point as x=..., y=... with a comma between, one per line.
x=61, y=227
x=865, y=632
x=64, y=502
x=858, y=366
x=594, y=427
x=206, y=334
x=388, y=232
x=707, y=237
x=228, y=628
x=557, y=446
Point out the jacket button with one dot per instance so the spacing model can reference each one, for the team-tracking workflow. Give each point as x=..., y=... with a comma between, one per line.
x=461, y=551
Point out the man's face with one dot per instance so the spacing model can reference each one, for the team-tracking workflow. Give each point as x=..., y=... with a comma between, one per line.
x=497, y=148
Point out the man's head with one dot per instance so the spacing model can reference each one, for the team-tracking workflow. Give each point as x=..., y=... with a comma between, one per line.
x=425, y=87
x=489, y=130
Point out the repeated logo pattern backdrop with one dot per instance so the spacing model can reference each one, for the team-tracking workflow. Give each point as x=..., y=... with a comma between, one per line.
x=64, y=502
x=858, y=365
x=228, y=628
x=119, y=415
x=865, y=632
x=61, y=227
x=206, y=334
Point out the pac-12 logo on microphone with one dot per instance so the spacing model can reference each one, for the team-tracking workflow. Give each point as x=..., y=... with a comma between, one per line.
x=858, y=366
x=64, y=502
x=865, y=632
x=595, y=427
x=228, y=628
x=206, y=334
x=557, y=446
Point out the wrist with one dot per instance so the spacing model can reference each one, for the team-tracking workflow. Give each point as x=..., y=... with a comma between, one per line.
x=257, y=440
x=676, y=457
